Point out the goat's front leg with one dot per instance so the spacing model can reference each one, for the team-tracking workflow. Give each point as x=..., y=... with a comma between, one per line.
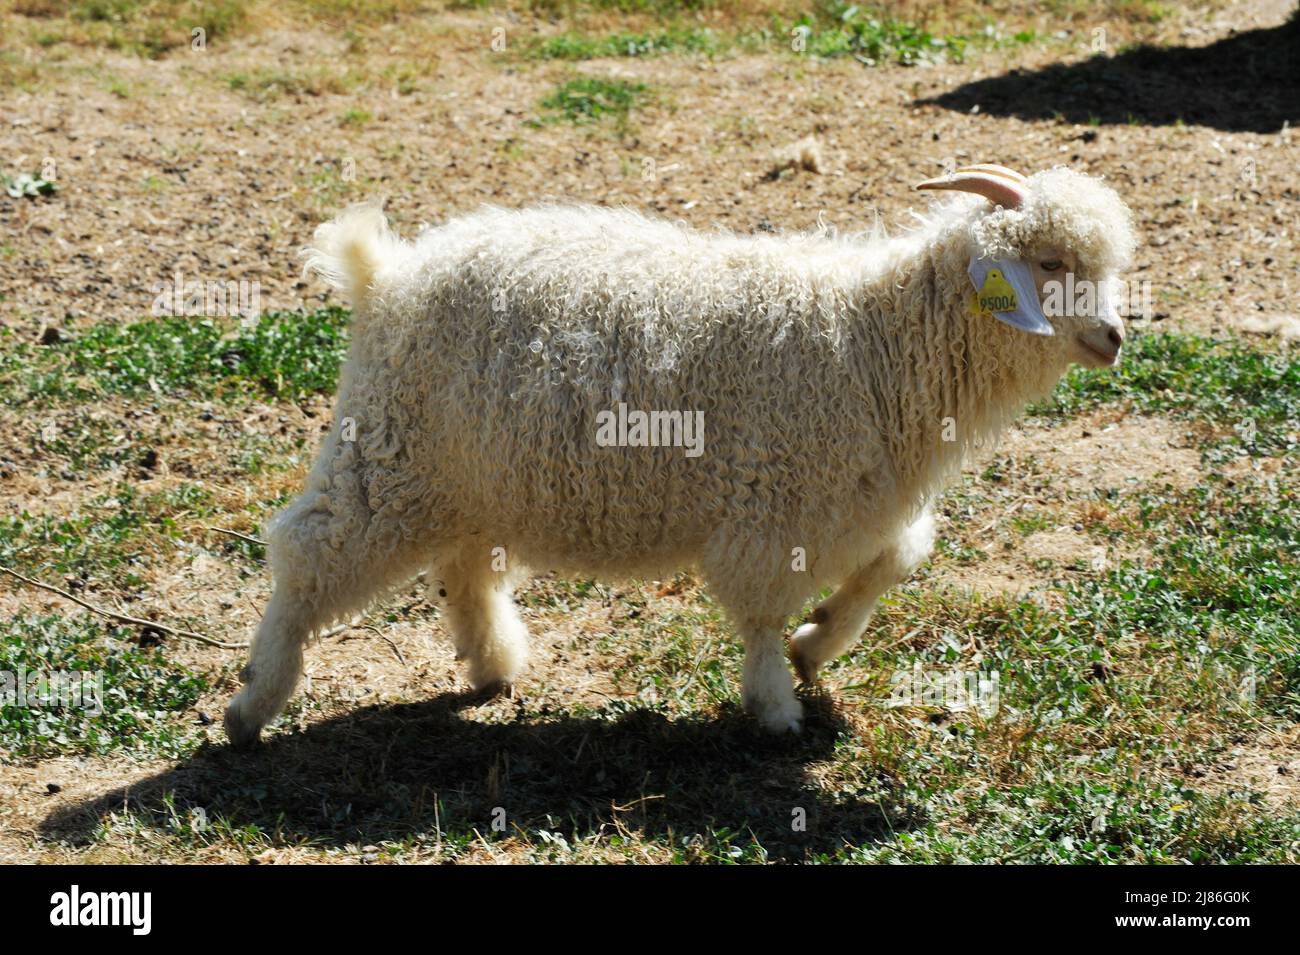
x=769, y=688
x=839, y=620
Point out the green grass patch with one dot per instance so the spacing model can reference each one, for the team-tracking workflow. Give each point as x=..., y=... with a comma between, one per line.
x=843, y=29
x=282, y=355
x=590, y=99
x=1136, y=820
x=1206, y=624
x=1110, y=700
x=1227, y=586
x=27, y=185
x=580, y=46
x=126, y=698
x=830, y=29
x=1256, y=393
x=85, y=442
x=111, y=540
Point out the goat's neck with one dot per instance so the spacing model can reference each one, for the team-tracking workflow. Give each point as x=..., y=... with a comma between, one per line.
x=955, y=378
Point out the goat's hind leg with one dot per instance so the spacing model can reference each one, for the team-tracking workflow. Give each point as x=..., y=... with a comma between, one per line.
x=759, y=594
x=273, y=668
x=484, y=624
x=325, y=567
x=768, y=689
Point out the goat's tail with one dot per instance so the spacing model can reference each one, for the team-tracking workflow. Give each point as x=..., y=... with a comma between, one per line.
x=349, y=252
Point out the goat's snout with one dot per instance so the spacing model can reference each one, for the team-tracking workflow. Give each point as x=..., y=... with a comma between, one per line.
x=1102, y=342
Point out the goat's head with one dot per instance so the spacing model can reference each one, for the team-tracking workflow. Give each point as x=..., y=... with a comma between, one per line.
x=1060, y=234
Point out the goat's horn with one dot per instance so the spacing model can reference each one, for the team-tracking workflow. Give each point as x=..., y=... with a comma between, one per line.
x=997, y=189
x=996, y=170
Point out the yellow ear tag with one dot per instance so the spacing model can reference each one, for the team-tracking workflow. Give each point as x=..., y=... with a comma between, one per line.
x=1004, y=289
x=997, y=295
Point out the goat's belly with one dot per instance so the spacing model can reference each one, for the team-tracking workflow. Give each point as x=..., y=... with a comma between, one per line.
x=654, y=561
x=603, y=536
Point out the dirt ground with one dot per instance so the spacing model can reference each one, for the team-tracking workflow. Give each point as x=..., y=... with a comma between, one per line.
x=167, y=167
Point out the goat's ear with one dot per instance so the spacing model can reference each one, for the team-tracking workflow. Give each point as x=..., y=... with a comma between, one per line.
x=998, y=188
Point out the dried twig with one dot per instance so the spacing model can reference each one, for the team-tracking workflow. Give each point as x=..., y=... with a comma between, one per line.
x=123, y=618
x=634, y=803
x=401, y=659
x=242, y=537
x=341, y=628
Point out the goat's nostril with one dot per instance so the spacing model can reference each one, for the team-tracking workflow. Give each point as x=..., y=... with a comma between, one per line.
x=1116, y=337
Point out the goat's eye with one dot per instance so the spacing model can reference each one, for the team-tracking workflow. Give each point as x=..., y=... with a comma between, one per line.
x=1051, y=265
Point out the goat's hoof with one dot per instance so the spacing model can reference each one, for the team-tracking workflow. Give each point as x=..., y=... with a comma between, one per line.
x=242, y=733
x=491, y=689
x=805, y=667
x=781, y=718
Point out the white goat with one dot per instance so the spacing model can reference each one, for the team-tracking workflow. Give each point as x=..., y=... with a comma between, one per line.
x=839, y=382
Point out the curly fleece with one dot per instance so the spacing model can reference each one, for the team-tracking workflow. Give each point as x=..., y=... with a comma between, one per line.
x=828, y=370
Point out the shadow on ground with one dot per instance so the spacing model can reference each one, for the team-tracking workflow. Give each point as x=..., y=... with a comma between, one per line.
x=1247, y=82
x=376, y=774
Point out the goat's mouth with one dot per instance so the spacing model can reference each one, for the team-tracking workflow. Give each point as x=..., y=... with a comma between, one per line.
x=1095, y=357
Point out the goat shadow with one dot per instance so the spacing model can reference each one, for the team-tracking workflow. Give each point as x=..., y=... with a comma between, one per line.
x=1246, y=82
x=389, y=772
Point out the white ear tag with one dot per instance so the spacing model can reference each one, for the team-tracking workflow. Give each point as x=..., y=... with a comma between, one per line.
x=1005, y=289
